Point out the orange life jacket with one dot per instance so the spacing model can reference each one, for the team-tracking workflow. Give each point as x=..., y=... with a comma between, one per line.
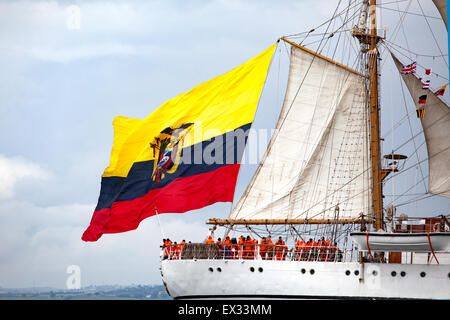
x=263, y=246
x=269, y=244
x=248, y=244
x=168, y=247
x=227, y=243
x=209, y=240
x=279, y=245
x=308, y=245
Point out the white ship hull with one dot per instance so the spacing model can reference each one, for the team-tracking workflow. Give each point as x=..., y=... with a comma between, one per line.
x=222, y=279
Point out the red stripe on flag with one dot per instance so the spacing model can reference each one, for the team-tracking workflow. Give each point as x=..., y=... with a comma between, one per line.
x=183, y=194
x=423, y=99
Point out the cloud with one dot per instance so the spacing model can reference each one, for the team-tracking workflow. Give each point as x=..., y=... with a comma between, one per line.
x=41, y=30
x=39, y=243
x=16, y=169
x=82, y=52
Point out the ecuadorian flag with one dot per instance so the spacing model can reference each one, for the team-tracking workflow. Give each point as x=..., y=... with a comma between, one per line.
x=184, y=156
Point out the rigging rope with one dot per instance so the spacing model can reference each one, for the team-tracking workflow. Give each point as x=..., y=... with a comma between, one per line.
x=414, y=53
x=356, y=3
x=411, y=13
x=418, y=64
x=432, y=33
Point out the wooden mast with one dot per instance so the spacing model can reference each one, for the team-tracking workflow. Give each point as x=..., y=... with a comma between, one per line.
x=377, y=188
x=369, y=41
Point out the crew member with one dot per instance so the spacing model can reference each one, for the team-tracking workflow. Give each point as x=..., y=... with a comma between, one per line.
x=298, y=249
x=168, y=248
x=263, y=248
x=269, y=246
x=241, y=246
x=307, y=250
x=280, y=248
x=321, y=249
x=209, y=241
x=219, y=246
x=248, y=248
x=227, y=247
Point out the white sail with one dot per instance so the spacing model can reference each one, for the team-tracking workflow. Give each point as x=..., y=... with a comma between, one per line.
x=441, y=5
x=318, y=156
x=436, y=128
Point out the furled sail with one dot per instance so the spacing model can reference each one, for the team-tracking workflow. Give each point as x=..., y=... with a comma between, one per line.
x=441, y=5
x=436, y=128
x=317, y=158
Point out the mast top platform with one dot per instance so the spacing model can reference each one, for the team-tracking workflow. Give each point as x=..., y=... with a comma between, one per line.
x=365, y=38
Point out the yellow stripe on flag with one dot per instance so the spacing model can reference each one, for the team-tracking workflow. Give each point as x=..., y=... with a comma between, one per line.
x=219, y=105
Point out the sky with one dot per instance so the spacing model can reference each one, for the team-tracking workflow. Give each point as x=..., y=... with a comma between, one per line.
x=68, y=68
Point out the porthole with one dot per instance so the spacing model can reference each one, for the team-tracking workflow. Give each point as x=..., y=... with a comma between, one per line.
x=219, y=269
x=356, y=272
x=210, y=269
x=252, y=269
x=374, y=272
x=311, y=271
x=423, y=274
x=347, y=272
x=393, y=273
x=260, y=269
x=304, y=271
x=403, y=273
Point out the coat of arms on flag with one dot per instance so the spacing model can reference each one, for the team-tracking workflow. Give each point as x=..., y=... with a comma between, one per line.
x=169, y=144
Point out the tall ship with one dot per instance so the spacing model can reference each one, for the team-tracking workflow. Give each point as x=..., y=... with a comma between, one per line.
x=314, y=220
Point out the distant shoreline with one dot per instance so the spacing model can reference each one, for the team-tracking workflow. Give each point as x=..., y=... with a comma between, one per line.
x=101, y=292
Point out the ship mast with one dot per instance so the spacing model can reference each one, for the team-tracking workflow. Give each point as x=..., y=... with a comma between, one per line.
x=377, y=189
x=369, y=40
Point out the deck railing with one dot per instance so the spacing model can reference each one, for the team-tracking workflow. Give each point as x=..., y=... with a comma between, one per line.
x=192, y=251
x=251, y=252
